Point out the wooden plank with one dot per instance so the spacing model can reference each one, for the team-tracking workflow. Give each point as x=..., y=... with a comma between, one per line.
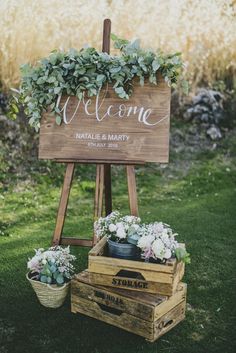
x=108, y=190
x=107, y=167
x=130, y=264
x=178, y=274
x=136, y=129
x=142, y=273
x=98, y=200
x=133, y=201
x=131, y=284
x=76, y=241
x=97, y=161
x=63, y=203
x=99, y=248
x=106, y=35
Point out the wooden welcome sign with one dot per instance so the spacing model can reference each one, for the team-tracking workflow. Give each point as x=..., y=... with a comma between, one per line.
x=107, y=128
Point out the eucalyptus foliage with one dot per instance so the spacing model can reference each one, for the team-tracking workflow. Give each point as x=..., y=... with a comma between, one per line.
x=77, y=73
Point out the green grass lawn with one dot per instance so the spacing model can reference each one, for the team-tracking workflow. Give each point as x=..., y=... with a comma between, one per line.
x=199, y=204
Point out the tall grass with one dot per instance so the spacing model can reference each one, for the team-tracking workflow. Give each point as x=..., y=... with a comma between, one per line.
x=203, y=30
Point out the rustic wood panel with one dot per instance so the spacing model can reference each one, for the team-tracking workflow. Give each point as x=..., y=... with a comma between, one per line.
x=133, y=199
x=125, y=131
x=65, y=193
x=131, y=284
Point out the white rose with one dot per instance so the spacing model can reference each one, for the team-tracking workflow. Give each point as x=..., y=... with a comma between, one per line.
x=167, y=254
x=121, y=232
x=112, y=227
x=145, y=241
x=158, y=248
x=165, y=238
x=120, y=224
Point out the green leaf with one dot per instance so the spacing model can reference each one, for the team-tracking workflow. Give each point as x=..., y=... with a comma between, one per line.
x=155, y=65
x=57, y=90
x=114, y=70
x=15, y=108
x=182, y=255
x=41, y=80
x=114, y=37
x=51, y=79
x=60, y=279
x=119, y=90
x=49, y=280
x=81, y=71
x=43, y=279
x=58, y=120
x=100, y=77
x=53, y=268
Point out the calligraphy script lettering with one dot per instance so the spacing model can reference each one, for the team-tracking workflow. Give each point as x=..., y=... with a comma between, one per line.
x=120, y=111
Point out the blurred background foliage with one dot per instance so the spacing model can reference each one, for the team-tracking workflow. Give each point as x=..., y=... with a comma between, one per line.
x=204, y=31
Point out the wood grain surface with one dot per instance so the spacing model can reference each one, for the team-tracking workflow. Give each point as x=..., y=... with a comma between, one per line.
x=126, y=133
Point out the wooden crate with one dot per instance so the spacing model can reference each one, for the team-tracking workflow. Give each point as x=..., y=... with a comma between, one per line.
x=144, y=314
x=133, y=275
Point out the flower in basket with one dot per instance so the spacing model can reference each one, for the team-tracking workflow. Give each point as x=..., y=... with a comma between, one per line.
x=52, y=266
x=157, y=242
x=118, y=228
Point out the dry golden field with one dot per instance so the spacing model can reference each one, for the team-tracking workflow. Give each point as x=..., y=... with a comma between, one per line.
x=203, y=30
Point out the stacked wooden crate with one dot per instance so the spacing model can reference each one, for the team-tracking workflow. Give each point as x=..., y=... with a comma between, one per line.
x=147, y=299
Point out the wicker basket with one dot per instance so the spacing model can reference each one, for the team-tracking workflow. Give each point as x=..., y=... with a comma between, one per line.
x=49, y=295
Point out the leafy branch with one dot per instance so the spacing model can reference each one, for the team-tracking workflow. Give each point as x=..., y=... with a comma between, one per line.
x=77, y=73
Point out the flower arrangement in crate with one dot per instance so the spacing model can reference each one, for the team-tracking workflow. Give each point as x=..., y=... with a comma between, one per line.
x=121, y=232
x=50, y=274
x=130, y=239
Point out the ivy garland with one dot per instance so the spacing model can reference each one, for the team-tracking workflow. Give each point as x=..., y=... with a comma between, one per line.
x=78, y=72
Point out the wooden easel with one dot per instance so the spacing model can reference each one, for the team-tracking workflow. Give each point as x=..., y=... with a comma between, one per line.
x=103, y=183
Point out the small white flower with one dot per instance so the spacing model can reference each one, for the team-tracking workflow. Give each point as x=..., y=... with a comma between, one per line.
x=44, y=262
x=112, y=227
x=135, y=226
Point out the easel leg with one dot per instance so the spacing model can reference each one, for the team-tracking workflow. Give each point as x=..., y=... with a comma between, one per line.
x=98, y=201
x=107, y=185
x=133, y=201
x=63, y=203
